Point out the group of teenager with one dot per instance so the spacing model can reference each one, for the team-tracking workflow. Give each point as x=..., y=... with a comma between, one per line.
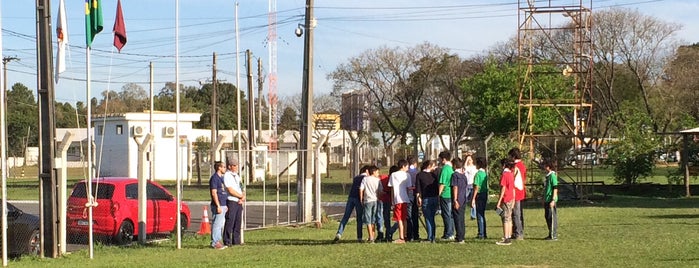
x=227, y=197
x=450, y=187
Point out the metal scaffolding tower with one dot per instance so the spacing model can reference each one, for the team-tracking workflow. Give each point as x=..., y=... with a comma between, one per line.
x=558, y=35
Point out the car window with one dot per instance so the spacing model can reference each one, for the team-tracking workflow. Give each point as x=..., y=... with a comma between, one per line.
x=104, y=191
x=155, y=193
x=132, y=191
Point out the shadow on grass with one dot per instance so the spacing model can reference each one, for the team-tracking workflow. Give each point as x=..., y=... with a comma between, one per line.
x=674, y=216
x=298, y=242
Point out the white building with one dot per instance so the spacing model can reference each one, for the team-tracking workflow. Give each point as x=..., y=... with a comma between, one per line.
x=116, y=150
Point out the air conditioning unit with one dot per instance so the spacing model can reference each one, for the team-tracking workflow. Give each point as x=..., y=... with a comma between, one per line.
x=168, y=132
x=138, y=131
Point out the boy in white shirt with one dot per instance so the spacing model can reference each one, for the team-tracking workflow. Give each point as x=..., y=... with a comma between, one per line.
x=369, y=191
x=400, y=183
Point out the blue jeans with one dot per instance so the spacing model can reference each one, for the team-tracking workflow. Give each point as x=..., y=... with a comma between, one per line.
x=481, y=201
x=551, y=216
x=413, y=221
x=445, y=206
x=518, y=220
x=352, y=204
x=429, y=209
x=389, y=229
x=219, y=220
x=379, y=220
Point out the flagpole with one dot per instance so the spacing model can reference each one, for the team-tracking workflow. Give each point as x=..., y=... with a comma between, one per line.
x=177, y=121
x=89, y=151
x=238, y=104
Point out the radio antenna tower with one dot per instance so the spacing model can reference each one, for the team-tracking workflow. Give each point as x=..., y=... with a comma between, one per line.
x=272, y=90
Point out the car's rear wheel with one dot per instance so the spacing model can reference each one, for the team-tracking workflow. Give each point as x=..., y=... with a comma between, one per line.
x=34, y=243
x=125, y=233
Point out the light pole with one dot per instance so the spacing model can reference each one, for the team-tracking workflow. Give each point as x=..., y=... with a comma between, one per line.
x=5, y=60
x=305, y=159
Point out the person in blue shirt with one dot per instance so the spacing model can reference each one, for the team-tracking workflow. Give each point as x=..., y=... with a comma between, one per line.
x=353, y=203
x=218, y=205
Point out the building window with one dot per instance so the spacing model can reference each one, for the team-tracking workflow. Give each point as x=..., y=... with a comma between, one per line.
x=119, y=129
x=100, y=130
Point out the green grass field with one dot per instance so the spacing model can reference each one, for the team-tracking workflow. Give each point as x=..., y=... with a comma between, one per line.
x=334, y=187
x=621, y=231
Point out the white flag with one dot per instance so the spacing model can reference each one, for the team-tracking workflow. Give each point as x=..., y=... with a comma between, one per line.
x=62, y=37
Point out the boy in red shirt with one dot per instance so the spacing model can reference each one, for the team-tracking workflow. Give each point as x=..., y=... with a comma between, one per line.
x=506, y=201
x=520, y=174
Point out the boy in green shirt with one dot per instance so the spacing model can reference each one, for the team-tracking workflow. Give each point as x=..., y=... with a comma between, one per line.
x=550, y=199
x=480, y=196
x=445, y=195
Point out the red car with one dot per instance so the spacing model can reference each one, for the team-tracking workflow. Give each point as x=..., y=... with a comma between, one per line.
x=116, y=215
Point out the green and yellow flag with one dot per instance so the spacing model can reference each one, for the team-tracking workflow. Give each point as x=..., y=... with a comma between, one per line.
x=93, y=20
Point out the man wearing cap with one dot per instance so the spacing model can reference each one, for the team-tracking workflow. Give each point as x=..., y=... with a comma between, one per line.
x=236, y=197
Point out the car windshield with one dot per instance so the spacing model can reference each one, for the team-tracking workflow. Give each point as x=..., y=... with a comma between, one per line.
x=104, y=191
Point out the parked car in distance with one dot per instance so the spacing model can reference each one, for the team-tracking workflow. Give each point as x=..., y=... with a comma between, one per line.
x=116, y=215
x=23, y=234
x=583, y=156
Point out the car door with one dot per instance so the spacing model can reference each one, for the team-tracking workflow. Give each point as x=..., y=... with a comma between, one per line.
x=132, y=196
x=165, y=208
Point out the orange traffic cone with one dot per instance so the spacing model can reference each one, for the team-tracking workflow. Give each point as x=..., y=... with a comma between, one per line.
x=205, y=227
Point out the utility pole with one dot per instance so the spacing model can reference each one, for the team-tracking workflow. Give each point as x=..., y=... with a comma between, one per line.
x=5, y=60
x=47, y=130
x=251, y=119
x=214, y=110
x=260, y=83
x=305, y=162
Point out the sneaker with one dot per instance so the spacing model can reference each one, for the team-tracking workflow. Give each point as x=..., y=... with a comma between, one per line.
x=223, y=247
x=504, y=242
x=450, y=238
x=460, y=242
x=520, y=238
x=548, y=238
x=337, y=237
x=399, y=241
x=218, y=245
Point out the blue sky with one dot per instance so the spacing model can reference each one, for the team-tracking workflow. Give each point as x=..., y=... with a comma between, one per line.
x=345, y=29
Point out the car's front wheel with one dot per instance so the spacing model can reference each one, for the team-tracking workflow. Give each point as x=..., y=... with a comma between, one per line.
x=34, y=243
x=125, y=233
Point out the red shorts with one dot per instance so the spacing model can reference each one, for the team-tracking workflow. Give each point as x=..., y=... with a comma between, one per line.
x=400, y=212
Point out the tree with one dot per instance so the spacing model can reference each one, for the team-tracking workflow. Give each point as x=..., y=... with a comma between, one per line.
x=681, y=91
x=66, y=116
x=633, y=153
x=289, y=120
x=165, y=100
x=448, y=112
x=135, y=97
x=22, y=119
x=390, y=77
x=633, y=47
x=492, y=97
